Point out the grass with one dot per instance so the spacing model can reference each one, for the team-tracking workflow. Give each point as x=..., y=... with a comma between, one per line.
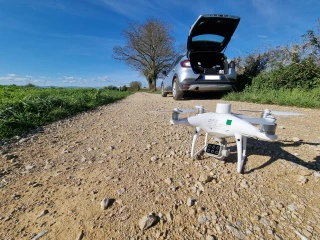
x=25, y=108
x=286, y=97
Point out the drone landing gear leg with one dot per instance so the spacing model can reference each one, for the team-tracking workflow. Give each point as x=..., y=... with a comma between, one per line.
x=241, y=151
x=195, y=137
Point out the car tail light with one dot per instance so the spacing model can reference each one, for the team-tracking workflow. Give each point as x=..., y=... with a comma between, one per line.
x=185, y=63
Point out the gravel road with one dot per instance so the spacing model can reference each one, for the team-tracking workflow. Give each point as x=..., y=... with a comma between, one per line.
x=52, y=182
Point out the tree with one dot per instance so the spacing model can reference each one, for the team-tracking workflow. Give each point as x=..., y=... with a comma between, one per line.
x=148, y=49
x=124, y=88
x=135, y=85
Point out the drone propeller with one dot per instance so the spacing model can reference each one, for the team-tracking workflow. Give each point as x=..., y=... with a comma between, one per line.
x=180, y=110
x=253, y=120
x=185, y=110
x=280, y=113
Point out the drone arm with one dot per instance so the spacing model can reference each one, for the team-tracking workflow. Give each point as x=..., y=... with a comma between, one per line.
x=241, y=150
x=181, y=121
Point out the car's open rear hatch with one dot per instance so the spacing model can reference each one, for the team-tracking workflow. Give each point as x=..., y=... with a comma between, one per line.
x=208, y=37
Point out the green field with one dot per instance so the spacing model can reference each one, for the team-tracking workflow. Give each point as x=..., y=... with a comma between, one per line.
x=23, y=108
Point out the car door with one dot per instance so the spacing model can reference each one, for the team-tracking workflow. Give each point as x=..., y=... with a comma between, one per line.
x=167, y=81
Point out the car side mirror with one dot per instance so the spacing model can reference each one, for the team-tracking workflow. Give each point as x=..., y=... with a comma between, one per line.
x=164, y=73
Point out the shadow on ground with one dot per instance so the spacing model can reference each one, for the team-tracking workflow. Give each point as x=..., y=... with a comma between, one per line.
x=275, y=151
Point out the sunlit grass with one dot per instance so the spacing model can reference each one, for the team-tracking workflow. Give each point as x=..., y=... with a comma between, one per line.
x=24, y=108
x=286, y=97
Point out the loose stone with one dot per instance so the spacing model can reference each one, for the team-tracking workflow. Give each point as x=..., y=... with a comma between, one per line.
x=105, y=203
x=147, y=221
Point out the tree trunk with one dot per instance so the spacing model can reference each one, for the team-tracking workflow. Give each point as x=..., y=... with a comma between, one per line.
x=155, y=84
x=150, y=85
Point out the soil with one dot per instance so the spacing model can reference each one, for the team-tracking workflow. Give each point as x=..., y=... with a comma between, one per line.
x=52, y=182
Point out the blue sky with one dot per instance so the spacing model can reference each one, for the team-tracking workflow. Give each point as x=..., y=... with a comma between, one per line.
x=70, y=42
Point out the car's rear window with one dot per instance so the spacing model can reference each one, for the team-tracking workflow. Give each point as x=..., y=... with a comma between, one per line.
x=208, y=37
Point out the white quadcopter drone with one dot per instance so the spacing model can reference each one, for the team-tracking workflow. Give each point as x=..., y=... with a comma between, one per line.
x=223, y=124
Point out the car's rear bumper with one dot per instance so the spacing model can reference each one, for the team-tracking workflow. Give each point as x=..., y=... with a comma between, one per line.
x=200, y=85
x=209, y=87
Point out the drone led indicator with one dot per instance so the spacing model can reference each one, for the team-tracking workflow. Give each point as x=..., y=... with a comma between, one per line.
x=228, y=122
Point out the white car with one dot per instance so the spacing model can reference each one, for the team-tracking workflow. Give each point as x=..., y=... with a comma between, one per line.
x=204, y=68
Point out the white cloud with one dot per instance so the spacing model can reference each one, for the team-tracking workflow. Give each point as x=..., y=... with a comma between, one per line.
x=11, y=77
x=104, y=78
x=68, y=78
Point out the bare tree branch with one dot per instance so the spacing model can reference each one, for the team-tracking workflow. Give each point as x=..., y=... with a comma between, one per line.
x=148, y=50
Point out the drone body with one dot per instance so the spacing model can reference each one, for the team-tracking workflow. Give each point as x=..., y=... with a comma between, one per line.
x=223, y=124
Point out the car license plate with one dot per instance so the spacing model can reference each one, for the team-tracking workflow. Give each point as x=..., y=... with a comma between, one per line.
x=212, y=77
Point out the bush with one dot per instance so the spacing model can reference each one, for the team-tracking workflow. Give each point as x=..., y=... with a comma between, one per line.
x=124, y=88
x=135, y=85
x=305, y=75
x=111, y=87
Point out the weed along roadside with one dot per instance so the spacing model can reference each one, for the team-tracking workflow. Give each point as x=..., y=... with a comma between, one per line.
x=23, y=108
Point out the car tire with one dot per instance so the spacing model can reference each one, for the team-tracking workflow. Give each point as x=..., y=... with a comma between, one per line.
x=163, y=93
x=176, y=91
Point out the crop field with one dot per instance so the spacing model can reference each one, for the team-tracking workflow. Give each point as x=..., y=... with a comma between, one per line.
x=23, y=108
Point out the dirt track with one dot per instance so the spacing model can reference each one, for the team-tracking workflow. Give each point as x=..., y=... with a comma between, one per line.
x=127, y=153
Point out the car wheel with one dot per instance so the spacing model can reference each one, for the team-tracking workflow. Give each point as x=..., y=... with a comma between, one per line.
x=176, y=92
x=163, y=93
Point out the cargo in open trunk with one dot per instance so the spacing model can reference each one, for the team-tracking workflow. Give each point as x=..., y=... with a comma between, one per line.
x=208, y=37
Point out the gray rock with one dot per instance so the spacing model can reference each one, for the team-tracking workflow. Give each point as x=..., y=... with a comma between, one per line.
x=264, y=222
x=39, y=235
x=244, y=184
x=316, y=175
x=48, y=165
x=190, y=202
x=305, y=172
x=44, y=212
x=121, y=191
x=203, y=219
x=209, y=237
x=34, y=184
x=295, y=139
x=173, y=188
x=169, y=217
x=302, y=237
x=16, y=196
x=81, y=235
x=168, y=181
x=147, y=221
x=235, y=231
x=205, y=178
x=23, y=140
x=154, y=158
x=302, y=180
x=292, y=207
x=29, y=167
x=105, y=203
x=200, y=186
